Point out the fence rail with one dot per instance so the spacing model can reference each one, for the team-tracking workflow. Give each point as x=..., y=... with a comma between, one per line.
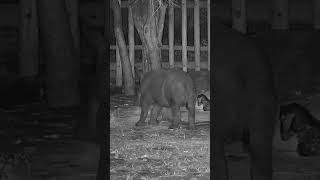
x=165, y=47
x=190, y=4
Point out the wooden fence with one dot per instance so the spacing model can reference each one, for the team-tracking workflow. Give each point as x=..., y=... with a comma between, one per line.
x=283, y=12
x=23, y=18
x=197, y=64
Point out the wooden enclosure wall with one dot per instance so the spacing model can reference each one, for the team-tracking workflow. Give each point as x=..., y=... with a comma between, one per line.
x=243, y=12
x=280, y=14
x=184, y=64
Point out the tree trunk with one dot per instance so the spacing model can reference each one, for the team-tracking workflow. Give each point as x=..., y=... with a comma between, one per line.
x=73, y=14
x=72, y=7
x=59, y=53
x=96, y=105
x=146, y=64
x=104, y=159
x=102, y=121
x=104, y=98
x=94, y=86
x=29, y=45
x=149, y=25
x=129, y=86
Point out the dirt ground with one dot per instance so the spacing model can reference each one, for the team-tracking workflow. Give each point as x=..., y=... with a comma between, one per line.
x=37, y=143
x=156, y=152
x=159, y=153
x=139, y=153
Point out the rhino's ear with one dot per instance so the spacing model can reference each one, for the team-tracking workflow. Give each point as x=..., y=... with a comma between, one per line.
x=287, y=120
x=297, y=124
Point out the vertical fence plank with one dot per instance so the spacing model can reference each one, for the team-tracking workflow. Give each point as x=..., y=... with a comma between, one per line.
x=280, y=14
x=132, y=47
x=72, y=7
x=118, y=68
x=316, y=14
x=131, y=40
x=106, y=27
x=197, y=34
x=73, y=12
x=208, y=22
x=118, y=65
x=29, y=41
x=171, y=36
x=184, y=34
x=239, y=15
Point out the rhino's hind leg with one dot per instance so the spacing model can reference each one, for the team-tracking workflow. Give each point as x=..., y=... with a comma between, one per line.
x=154, y=114
x=191, y=113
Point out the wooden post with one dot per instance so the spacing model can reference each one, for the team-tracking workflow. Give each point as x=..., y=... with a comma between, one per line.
x=171, y=36
x=131, y=39
x=72, y=8
x=184, y=34
x=280, y=15
x=106, y=16
x=118, y=60
x=29, y=41
x=73, y=12
x=316, y=14
x=118, y=69
x=197, y=34
x=208, y=22
x=239, y=15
